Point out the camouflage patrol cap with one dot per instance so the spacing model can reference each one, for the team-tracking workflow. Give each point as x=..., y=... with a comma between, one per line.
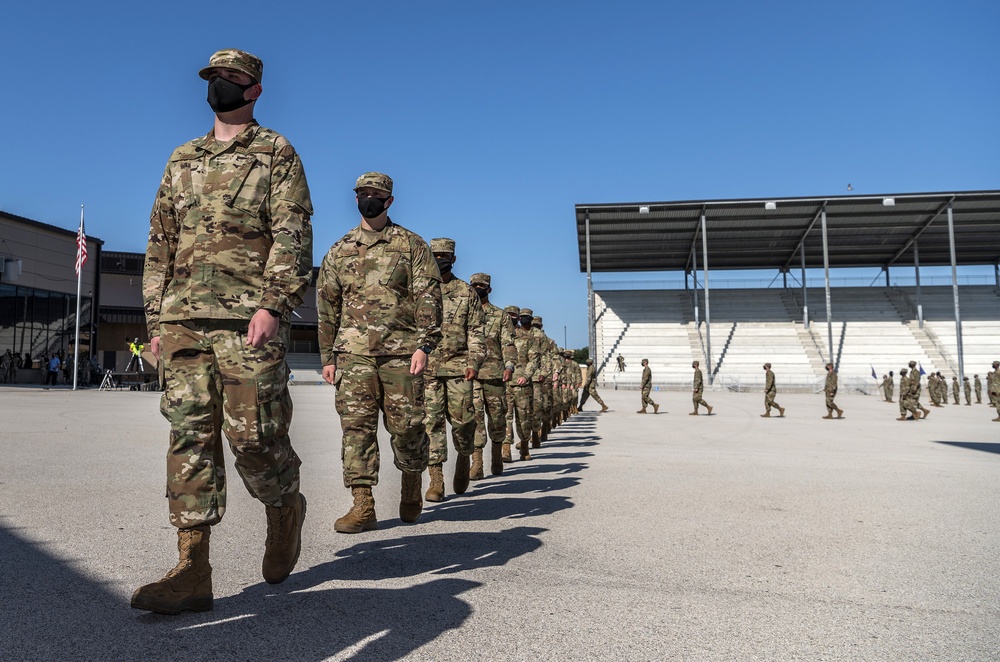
x=231, y=58
x=481, y=278
x=912, y=364
x=374, y=180
x=442, y=245
x=590, y=361
x=527, y=312
x=902, y=371
x=512, y=310
x=996, y=364
x=536, y=320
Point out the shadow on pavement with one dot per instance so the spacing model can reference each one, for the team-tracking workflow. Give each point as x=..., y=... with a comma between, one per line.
x=973, y=445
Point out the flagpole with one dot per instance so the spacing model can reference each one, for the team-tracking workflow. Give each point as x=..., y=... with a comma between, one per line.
x=79, y=278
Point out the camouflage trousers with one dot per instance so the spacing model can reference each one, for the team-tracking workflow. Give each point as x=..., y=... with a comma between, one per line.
x=769, y=401
x=698, y=400
x=888, y=393
x=449, y=399
x=217, y=383
x=367, y=385
x=830, y=404
x=489, y=397
x=590, y=392
x=541, y=403
x=646, y=400
x=908, y=404
x=520, y=400
x=979, y=396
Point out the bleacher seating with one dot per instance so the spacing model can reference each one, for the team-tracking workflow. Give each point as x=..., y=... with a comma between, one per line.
x=873, y=327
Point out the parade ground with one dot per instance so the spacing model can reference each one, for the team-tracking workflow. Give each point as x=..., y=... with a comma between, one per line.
x=627, y=537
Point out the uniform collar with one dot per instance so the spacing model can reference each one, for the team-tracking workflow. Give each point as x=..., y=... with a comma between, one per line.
x=209, y=144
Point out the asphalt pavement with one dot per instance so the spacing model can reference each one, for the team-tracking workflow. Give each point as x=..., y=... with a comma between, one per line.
x=633, y=537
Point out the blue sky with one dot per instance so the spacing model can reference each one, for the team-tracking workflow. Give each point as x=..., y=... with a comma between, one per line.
x=495, y=119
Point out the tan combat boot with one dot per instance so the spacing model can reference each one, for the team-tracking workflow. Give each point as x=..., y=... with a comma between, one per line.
x=916, y=415
x=604, y=408
x=829, y=413
x=781, y=412
x=410, y=503
x=505, y=452
x=284, y=540
x=926, y=411
x=536, y=442
x=656, y=408
x=901, y=418
x=188, y=587
x=460, y=482
x=766, y=414
x=642, y=411
x=476, y=471
x=496, y=458
x=361, y=516
x=840, y=412
x=435, y=491
x=523, y=448
x=709, y=407
x=693, y=413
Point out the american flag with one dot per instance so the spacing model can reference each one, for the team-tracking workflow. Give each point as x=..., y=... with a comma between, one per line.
x=81, y=247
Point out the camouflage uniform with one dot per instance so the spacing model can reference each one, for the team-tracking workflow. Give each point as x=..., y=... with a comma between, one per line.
x=551, y=363
x=229, y=234
x=697, y=389
x=979, y=389
x=522, y=395
x=967, y=388
x=993, y=386
x=590, y=386
x=489, y=390
x=379, y=301
x=447, y=394
x=770, y=390
x=907, y=403
x=830, y=389
x=646, y=386
x=887, y=388
x=955, y=390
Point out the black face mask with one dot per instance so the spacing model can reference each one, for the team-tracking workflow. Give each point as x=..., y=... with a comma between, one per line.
x=225, y=95
x=444, y=264
x=513, y=321
x=371, y=207
x=482, y=292
x=526, y=322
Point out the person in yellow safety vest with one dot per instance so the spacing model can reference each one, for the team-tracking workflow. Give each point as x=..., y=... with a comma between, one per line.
x=136, y=348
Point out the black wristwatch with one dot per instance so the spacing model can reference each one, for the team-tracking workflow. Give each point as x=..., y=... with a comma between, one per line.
x=274, y=313
x=426, y=349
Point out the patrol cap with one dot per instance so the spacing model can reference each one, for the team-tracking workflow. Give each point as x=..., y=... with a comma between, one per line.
x=996, y=363
x=527, y=312
x=231, y=58
x=481, y=278
x=511, y=310
x=536, y=320
x=374, y=180
x=902, y=371
x=442, y=245
x=590, y=361
x=912, y=364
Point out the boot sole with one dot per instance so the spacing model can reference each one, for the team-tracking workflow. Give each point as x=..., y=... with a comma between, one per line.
x=298, y=547
x=199, y=603
x=367, y=526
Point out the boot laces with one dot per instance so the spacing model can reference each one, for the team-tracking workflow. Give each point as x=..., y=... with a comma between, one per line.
x=274, y=519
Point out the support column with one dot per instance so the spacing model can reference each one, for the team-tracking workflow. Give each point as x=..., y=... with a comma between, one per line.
x=784, y=279
x=886, y=270
x=708, y=311
x=694, y=276
x=920, y=301
x=996, y=273
x=826, y=278
x=954, y=290
x=591, y=313
x=805, y=296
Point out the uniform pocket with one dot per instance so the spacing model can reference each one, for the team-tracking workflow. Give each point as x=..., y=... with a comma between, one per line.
x=249, y=187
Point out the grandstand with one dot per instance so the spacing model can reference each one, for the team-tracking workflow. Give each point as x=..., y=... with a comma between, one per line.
x=878, y=328
x=872, y=328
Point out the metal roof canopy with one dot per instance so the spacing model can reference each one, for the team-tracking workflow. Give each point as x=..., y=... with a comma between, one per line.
x=958, y=228
x=862, y=231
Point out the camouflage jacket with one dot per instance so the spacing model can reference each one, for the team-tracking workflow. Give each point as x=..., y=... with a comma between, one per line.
x=590, y=376
x=647, y=378
x=229, y=232
x=378, y=294
x=699, y=381
x=769, y=386
x=501, y=352
x=548, y=355
x=527, y=352
x=831, y=383
x=463, y=344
